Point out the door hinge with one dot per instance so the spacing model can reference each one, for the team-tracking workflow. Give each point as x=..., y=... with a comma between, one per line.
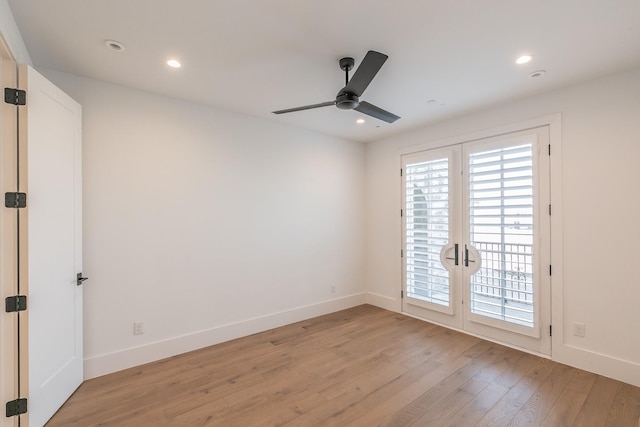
x=549, y=209
x=15, y=96
x=16, y=407
x=401, y=213
x=401, y=294
x=549, y=270
x=550, y=330
x=400, y=172
x=401, y=253
x=15, y=200
x=15, y=303
x=549, y=149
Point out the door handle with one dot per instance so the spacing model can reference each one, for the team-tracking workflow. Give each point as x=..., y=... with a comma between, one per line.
x=455, y=257
x=80, y=279
x=466, y=256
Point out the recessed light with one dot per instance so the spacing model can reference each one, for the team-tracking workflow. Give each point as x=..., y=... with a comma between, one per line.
x=537, y=74
x=173, y=63
x=360, y=121
x=523, y=59
x=115, y=45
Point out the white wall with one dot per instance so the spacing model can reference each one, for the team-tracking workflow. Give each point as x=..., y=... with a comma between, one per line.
x=208, y=225
x=9, y=31
x=598, y=279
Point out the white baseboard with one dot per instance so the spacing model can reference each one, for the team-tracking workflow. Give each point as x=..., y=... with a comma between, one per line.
x=598, y=363
x=112, y=362
x=383, y=302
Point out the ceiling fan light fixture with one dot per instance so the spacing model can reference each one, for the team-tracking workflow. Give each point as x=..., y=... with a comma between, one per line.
x=347, y=101
x=523, y=59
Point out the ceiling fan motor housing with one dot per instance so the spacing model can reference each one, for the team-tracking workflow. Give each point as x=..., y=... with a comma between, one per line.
x=347, y=101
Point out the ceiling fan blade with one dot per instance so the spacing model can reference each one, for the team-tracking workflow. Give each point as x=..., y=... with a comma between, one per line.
x=367, y=70
x=377, y=112
x=306, y=107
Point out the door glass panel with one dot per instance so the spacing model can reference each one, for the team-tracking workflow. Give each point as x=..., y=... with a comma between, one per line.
x=427, y=230
x=501, y=230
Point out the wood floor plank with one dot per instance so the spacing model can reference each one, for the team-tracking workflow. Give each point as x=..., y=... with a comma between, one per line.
x=463, y=395
x=433, y=397
x=506, y=408
x=472, y=412
x=535, y=410
x=625, y=410
x=373, y=404
x=394, y=398
x=566, y=408
x=360, y=367
x=598, y=403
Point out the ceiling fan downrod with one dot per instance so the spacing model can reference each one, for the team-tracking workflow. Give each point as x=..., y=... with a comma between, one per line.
x=346, y=65
x=347, y=100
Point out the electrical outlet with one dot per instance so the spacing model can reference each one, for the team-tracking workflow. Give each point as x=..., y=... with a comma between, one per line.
x=578, y=329
x=138, y=328
x=333, y=289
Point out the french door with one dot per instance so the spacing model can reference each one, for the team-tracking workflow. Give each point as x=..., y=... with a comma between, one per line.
x=476, y=237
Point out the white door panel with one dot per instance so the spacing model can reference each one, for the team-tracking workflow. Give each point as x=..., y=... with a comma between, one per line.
x=430, y=196
x=55, y=247
x=506, y=197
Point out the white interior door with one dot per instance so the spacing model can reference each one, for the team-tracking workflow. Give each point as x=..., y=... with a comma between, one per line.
x=54, y=247
x=476, y=238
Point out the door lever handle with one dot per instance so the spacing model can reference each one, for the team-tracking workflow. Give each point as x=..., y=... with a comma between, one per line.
x=466, y=256
x=455, y=257
x=80, y=279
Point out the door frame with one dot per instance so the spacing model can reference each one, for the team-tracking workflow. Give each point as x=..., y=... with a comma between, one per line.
x=554, y=123
x=13, y=264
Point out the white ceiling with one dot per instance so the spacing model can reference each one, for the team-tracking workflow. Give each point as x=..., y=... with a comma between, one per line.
x=256, y=56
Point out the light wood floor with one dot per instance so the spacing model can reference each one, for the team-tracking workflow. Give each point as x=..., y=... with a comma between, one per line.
x=359, y=367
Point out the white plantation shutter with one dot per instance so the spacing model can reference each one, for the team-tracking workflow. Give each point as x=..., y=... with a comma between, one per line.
x=501, y=209
x=426, y=230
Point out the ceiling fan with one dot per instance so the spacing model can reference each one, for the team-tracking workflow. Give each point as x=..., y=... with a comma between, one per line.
x=349, y=96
